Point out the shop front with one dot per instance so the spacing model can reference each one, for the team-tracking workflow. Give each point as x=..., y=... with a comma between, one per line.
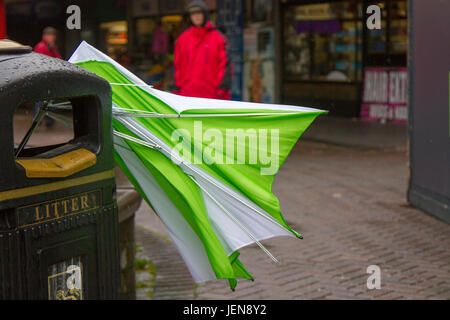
x=327, y=50
x=248, y=25
x=154, y=27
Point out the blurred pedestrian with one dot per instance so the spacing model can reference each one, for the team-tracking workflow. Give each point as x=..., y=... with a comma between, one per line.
x=202, y=64
x=160, y=42
x=48, y=47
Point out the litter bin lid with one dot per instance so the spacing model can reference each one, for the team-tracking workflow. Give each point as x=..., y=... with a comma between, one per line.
x=8, y=46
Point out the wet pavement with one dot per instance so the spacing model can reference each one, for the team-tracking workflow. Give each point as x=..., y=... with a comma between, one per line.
x=350, y=204
x=349, y=201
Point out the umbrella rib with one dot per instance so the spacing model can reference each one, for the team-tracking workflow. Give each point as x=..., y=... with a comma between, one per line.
x=139, y=141
x=211, y=115
x=270, y=218
x=204, y=176
x=64, y=120
x=205, y=115
x=130, y=84
x=126, y=112
x=236, y=221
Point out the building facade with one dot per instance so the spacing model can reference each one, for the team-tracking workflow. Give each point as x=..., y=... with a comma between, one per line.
x=303, y=52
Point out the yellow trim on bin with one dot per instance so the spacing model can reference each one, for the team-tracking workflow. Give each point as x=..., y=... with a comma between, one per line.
x=60, y=166
x=49, y=187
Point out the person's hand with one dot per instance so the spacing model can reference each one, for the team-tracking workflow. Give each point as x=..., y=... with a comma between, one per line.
x=222, y=94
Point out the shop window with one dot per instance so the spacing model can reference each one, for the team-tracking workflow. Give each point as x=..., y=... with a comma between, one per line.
x=154, y=43
x=398, y=39
x=114, y=40
x=388, y=46
x=398, y=28
x=297, y=55
x=323, y=42
x=377, y=40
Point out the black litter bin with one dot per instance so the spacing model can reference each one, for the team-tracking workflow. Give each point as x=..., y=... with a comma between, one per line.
x=58, y=211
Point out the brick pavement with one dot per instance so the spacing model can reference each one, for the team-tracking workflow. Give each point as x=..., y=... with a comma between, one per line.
x=172, y=279
x=350, y=204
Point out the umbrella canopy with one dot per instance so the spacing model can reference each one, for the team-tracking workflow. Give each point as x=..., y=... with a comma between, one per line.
x=205, y=166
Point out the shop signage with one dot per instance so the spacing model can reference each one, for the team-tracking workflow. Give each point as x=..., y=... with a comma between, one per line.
x=314, y=12
x=327, y=26
x=385, y=96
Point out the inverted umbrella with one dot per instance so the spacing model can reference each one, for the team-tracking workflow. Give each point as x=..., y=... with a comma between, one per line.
x=205, y=166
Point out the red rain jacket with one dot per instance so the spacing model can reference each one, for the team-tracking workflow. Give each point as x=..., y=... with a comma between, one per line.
x=202, y=65
x=43, y=48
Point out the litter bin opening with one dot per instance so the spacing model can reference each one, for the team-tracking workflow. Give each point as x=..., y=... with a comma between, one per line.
x=64, y=124
x=57, y=138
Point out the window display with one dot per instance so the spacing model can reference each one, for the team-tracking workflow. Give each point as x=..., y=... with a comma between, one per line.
x=398, y=39
x=323, y=42
x=296, y=49
x=398, y=27
x=154, y=45
x=388, y=45
x=376, y=43
x=116, y=39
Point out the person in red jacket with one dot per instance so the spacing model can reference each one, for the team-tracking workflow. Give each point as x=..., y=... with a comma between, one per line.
x=202, y=64
x=48, y=44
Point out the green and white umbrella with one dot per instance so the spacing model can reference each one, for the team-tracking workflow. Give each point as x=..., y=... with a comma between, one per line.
x=205, y=166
